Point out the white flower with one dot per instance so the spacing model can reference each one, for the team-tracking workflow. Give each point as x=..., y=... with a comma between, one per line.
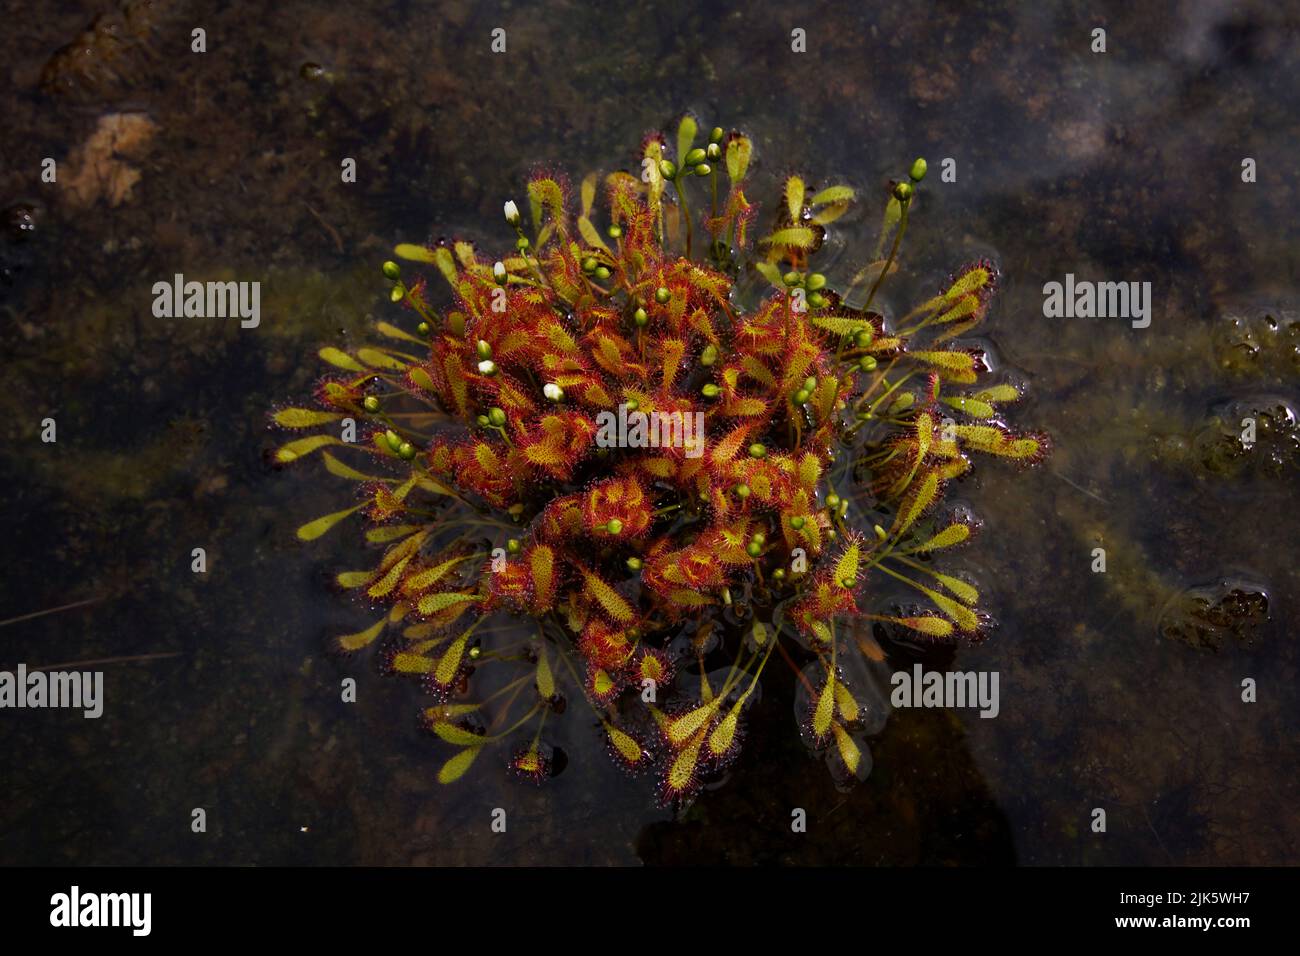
x=499, y=273
x=512, y=213
x=553, y=392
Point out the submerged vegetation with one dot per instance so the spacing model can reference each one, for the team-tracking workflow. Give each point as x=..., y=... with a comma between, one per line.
x=657, y=582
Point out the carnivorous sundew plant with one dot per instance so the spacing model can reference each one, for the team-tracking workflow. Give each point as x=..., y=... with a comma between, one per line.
x=532, y=553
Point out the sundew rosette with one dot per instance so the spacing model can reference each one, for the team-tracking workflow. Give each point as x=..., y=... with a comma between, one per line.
x=524, y=566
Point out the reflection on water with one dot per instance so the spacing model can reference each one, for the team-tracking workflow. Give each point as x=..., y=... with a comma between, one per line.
x=1119, y=689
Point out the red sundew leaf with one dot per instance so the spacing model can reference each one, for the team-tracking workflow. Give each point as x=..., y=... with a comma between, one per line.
x=625, y=747
x=681, y=777
x=609, y=599
x=541, y=565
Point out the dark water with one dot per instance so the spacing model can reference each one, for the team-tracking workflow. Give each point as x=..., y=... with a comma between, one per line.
x=1121, y=167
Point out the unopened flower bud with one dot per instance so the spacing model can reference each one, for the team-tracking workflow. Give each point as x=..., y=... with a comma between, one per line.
x=391, y=270
x=512, y=213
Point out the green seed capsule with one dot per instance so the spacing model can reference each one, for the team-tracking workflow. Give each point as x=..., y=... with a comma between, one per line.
x=710, y=390
x=703, y=169
x=903, y=192
x=497, y=416
x=709, y=355
x=792, y=279
x=522, y=243
x=753, y=549
x=817, y=300
x=371, y=404
x=662, y=295
x=475, y=652
x=406, y=450
x=632, y=404
x=742, y=491
x=639, y=317
x=801, y=396
x=483, y=349
x=397, y=293
x=863, y=338
x=778, y=574
x=589, y=264
x=513, y=546
x=757, y=451
x=716, y=135
x=615, y=232
x=635, y=564
x=423, y=328
x=394, y=442
x=816, y=281
x=614, y=526
x=391, y=270
x=797, y=522
x=601, y=273
x=868, y=363
x=760, y=538
x=917, y=172
x=667, y=170
x=810, y=383
x=832, y=501
x=695, y=156
x=482, y=421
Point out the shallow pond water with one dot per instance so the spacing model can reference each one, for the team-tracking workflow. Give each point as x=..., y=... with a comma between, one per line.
x=1119, y=690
